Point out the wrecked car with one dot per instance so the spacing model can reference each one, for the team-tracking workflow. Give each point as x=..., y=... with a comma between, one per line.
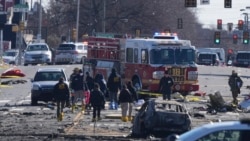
x=158, y=116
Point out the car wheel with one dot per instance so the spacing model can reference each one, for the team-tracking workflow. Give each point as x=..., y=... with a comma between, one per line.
x=33, y=102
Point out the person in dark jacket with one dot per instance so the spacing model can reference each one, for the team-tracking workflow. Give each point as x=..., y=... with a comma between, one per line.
x=165, y=86
x=235, y=83
x=61, y=94
x=103, y=85
x=132, y=90
x=90, y=81
x=72, y=75
x=126, y=100
x=96, y=99
x=114, y=85
x=77, y=86
x=99, y=78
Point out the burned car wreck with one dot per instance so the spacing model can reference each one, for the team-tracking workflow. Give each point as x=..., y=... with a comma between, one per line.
x=158, y=117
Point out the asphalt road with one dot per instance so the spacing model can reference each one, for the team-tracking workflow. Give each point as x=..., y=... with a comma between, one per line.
x=19, y=120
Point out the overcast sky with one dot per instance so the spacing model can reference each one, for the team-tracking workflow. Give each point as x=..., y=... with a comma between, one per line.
x=208, y=14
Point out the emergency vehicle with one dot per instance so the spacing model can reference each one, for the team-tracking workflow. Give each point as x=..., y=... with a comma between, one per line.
x=144, y=60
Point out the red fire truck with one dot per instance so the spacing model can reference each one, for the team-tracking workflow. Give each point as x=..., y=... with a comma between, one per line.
x=144, y=60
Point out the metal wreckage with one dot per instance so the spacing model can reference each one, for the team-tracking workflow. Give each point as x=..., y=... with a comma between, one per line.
x=157, y=117
x=162, y=118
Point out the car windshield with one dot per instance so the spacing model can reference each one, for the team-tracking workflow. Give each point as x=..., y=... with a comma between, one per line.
x=37, y=48
x=172, y=56
x=48, y=76
x=66, y=47
x=12, y=54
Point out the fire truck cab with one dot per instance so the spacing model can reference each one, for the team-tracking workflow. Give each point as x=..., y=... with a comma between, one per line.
x=144, y=60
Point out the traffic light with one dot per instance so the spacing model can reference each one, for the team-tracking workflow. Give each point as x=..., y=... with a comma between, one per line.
x=179, y=23
x=217, y=37
x=245, y=37
x=190, y=3
x=219, y=24
x=235, y=38
x=240, y=24
x=73, y=33
x=227, y=3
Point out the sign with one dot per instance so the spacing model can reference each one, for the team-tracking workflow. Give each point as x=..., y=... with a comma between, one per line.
x=105, y=35
x=205, y=2
x=21, y=8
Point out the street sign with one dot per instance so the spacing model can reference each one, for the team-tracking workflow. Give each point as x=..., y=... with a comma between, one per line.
x=21, y=8
x=205, y=2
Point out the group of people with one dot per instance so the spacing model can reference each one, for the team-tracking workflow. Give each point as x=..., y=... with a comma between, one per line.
x=99, y=90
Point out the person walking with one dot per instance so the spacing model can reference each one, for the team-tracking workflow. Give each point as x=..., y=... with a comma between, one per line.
x=99, y=78
x=114, y=85
x=90, y=81
x=132, y=90
x=96, y=100
x=165, y=86
x=72, y=95
x=77, y=86
x=125, y=100
x=235, y=83
x=61, y=95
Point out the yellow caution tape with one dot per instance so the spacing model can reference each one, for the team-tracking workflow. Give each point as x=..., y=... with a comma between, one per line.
x=149, y=93
x=10, y=76
x=5, y=86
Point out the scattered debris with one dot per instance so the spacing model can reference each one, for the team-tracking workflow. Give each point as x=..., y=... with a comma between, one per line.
x=10, y=82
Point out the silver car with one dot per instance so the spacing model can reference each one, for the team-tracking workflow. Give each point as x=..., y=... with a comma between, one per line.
x=11, y=56
x=37, y=53
x=70, y=53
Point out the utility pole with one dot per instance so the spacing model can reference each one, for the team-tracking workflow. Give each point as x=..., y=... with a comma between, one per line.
x=39, y=35
x=77, y=20
x=104, y=17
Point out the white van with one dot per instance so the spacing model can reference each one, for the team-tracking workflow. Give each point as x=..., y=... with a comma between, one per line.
x=220, y=52
x=71, y=53
x=208, y=58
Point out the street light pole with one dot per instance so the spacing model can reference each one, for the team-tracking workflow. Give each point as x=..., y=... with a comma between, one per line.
x=104, y=17
x=77, y=20
x=39, y=35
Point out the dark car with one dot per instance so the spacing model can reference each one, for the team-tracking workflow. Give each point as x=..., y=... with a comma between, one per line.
x=44, y=82
x=157, y=116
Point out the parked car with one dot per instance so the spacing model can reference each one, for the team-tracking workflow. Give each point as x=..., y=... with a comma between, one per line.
x=70, y=53
x=220, y=131
x=11, y=56
x=44, y=82
x=158, y=116
x=37, y=53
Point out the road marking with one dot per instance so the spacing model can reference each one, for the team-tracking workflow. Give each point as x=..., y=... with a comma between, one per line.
x=76, y=121
x=22, y=101
x=4, y=101
x=16, y=109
